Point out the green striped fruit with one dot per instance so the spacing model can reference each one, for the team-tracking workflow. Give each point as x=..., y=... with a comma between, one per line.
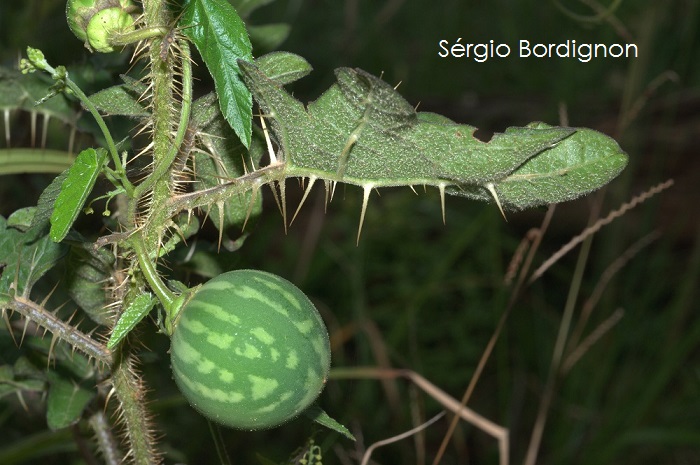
x=250, y=350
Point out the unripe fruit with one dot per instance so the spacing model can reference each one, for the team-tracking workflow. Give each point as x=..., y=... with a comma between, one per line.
x=250, y=350
x=95, y=22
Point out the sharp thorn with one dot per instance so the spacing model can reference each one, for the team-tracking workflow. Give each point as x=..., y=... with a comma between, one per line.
x=334, y=183
x=220, y=207
x=492, y=190
x=52, y=346
x=326, y=184
x=366, y=190
x=413, y=189
x=273, y=188
x=253, y=198
x=283, y=198
x=270, y=150
x=24, y=331
x=6, y=317
x=441, y=188
x=312, y=180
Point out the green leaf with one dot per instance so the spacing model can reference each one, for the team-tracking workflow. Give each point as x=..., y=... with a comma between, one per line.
x=221, y=38
x=25, y=258
x=459, y=156
x=221, y=159
x=124, y=99
x=134, y=312
x=75, y=190
x=283, y=67
x=66, y=401
x=21, y=219
x=46, y=201
x=579, y=164
x=362, y=132
x=322, y=418
x=88, y=272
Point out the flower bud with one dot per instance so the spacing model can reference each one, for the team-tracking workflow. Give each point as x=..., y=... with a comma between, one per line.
x=95, y=22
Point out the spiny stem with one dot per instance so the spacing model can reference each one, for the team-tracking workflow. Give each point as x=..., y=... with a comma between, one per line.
x=59, y=328
x=106, y=443
x=129, y=389
x=163, y=165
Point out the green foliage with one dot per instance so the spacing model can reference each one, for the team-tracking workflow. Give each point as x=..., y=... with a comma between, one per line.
x=66, y=401
x=221, y=38
x=26, y=257
x=134, y=312
x=361, y=131
x=409, y=294
x=75, y=190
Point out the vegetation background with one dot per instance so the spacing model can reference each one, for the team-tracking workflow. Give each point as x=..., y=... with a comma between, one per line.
x=428, y=297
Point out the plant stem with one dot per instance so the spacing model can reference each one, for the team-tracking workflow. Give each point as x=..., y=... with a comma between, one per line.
x=165, y=295
x=87, y=103
x=129, y=390
x=59, y=328
x=163, y=165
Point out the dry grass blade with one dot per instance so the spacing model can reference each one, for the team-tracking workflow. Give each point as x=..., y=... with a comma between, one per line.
x=536, y=240
x=641, y=198
x=399, y=437
x=603, y=282
x=591, y=339
x=494, y=430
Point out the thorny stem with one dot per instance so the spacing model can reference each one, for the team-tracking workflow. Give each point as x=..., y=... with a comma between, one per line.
x=129, y=391
x=59, y=328
x=106, y=442
x=163, y=165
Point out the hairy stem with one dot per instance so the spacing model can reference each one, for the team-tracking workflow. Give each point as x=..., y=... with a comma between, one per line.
x=106, y=443
x=59, y=328
x=129, y=389
x=162, y=165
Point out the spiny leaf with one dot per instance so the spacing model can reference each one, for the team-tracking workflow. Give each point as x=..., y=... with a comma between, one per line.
x=460, y=157
x=283, y=67
x=221, y=38
x=223, y=158
x=75, y=190
x=361, y=131
x=124, y=99
x=574, y=167
x=134, y=312
x=87, y=273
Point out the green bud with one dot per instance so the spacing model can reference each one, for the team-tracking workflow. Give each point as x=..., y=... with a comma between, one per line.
x=95, y=22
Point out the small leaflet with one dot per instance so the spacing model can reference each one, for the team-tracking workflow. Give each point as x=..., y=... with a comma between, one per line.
x=133, y=314
x=75, y=190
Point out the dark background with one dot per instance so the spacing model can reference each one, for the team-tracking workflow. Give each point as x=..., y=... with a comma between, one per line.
x=424, y=296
